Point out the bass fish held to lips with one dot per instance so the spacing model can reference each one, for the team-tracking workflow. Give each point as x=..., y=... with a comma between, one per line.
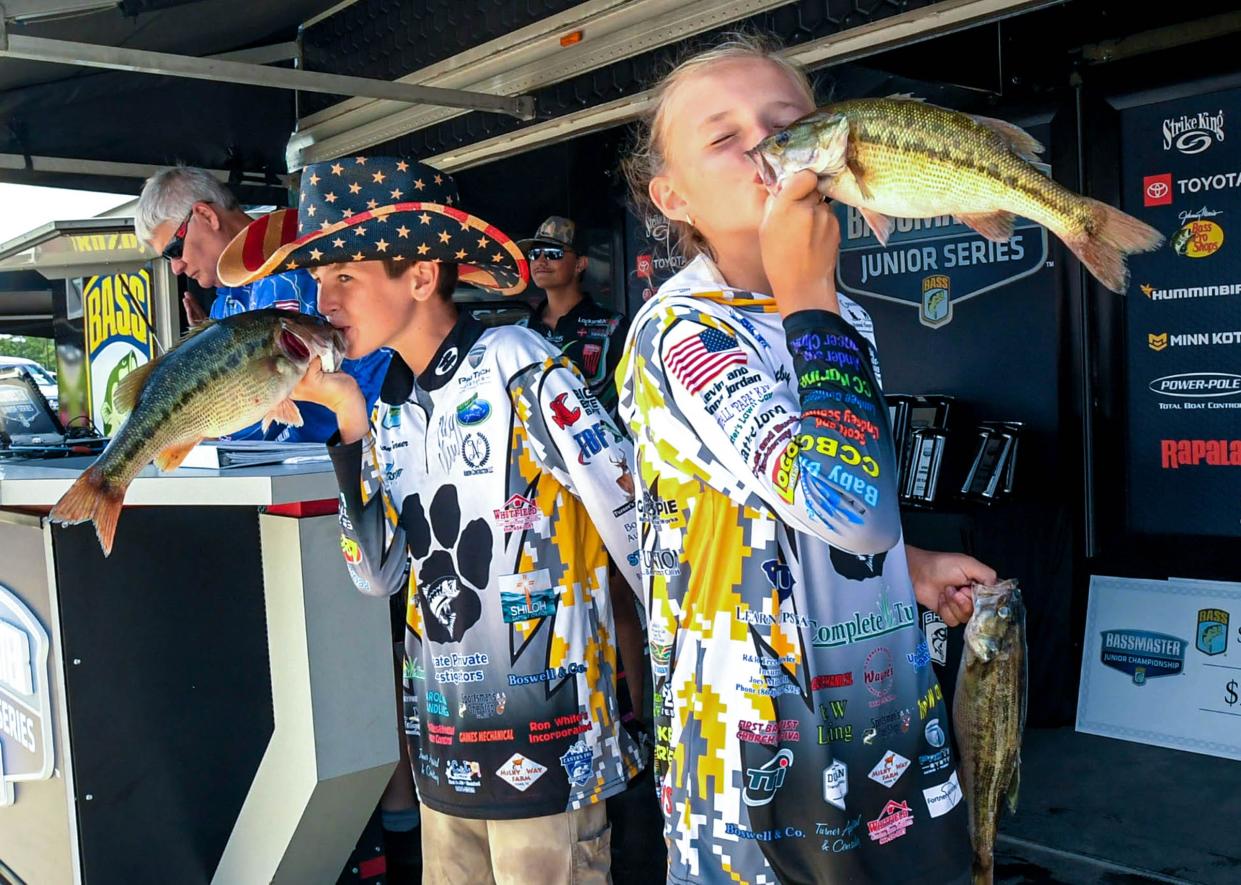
x=224, y=376
x=904, y=158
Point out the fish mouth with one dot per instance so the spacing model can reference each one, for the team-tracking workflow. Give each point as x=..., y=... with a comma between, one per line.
x=766, y=171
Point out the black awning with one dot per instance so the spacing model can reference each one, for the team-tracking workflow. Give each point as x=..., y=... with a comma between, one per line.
x=63, y=112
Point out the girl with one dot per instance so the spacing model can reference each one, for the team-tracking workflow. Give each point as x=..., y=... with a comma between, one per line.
x=802, y=734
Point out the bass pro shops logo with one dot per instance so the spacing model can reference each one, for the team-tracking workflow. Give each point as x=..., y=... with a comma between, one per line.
x=1142, y=654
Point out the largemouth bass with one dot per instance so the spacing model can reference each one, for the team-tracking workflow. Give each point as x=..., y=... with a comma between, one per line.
x=224, y=376
x=903, y=158
x=989, y=714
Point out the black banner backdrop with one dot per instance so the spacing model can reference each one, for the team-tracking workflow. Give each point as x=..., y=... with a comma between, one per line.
x=1183, y=316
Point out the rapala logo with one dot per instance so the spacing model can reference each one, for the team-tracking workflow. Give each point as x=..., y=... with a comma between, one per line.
x=1198, y=385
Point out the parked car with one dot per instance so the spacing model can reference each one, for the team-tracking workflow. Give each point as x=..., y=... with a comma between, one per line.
x=44, y=379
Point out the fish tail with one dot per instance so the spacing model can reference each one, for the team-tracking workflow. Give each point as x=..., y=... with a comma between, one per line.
x=984, y=874
x=1107, y=237
x=91, y=499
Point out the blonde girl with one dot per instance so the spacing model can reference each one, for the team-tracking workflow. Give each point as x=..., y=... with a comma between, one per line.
x=802, y=735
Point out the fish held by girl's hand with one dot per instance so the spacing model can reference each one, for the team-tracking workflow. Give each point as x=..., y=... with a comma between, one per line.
x=903, y=158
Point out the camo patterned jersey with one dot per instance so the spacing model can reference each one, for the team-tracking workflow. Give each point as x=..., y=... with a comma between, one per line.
x=802, y=736
x=496, y=478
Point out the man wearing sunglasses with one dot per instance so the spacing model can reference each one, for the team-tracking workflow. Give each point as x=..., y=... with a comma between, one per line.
x=187, y=216
x=590, y=335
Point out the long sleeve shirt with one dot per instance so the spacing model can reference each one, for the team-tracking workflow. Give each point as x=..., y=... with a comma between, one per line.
x=496, y=481
x=801, y=734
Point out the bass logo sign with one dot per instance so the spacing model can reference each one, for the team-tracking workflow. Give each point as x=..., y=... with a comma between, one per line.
x=1212, y=631
x=933, y=264
x=26, y=752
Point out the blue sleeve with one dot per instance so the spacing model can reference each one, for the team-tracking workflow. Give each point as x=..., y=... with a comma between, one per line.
x=369, y=372
x=296, y=290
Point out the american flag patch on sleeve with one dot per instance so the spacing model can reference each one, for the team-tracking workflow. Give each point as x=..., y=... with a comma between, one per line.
x=700, y=358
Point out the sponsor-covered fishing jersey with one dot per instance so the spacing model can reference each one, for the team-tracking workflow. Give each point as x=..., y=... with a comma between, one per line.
x=592, y=337
x=801, y=734
x=497, y=478
x=296, y=290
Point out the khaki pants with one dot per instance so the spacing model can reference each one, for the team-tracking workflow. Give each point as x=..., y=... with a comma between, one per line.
x=572, y=848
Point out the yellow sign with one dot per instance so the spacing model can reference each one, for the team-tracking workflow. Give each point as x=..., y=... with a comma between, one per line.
x=118, y=339
x=104, y=242
x=1157, y=342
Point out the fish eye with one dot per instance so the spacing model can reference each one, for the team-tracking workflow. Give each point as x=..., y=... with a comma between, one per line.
x=782, y=138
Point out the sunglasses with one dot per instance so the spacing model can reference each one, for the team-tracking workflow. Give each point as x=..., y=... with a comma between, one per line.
x=177, y=244
x=551, y=253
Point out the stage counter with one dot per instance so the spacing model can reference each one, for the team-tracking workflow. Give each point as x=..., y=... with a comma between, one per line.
x=214, y=702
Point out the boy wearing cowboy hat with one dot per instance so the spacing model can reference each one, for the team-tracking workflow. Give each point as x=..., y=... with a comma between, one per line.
x=490, y=469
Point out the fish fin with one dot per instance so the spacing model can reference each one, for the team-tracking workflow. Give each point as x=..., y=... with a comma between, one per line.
x=1014, y=786
x=1020, y=142
x=171, y=457
x=880, y=225
x=286, y=412
x=91, y=499
x=995, y=226
x=196, y=330
x=1103, y=245
x=859, y=174
x=125, y=396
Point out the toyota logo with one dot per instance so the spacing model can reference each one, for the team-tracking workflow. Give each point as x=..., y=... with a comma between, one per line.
x=1157, y=190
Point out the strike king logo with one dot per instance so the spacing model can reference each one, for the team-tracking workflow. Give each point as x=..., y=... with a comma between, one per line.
x=1142, y=654
x=1193, y=134
x=1212, y=631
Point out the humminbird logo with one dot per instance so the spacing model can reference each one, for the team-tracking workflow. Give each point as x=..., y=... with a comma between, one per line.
x=1191, y=292
x=1197, y=385
x=1143, y=654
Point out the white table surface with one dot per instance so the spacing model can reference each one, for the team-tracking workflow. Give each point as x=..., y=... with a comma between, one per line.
x=40, y=483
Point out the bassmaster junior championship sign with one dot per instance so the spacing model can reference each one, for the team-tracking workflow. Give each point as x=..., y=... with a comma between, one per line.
x=932, y=264
x=25, y=697
x=118, y=339
x=1158, y=666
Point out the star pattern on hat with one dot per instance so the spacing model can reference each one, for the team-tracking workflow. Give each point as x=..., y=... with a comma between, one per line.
x=344, y=202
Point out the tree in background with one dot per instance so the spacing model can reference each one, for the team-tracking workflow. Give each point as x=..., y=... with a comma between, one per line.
x=41, y=350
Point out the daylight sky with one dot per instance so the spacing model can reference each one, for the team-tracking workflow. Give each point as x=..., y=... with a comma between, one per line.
x=23, y=208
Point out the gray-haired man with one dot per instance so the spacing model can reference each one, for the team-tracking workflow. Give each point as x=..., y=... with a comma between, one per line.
x=188, y=217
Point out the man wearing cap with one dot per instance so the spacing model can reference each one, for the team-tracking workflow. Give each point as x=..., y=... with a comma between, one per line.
x=492, y=473
x=586, y=332
x=187, y=216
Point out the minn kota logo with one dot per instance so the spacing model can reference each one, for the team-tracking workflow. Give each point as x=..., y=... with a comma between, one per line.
x=1157, y=342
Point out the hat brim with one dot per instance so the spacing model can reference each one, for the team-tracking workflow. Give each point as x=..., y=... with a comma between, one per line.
x=525, y=245
x=272, y=245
